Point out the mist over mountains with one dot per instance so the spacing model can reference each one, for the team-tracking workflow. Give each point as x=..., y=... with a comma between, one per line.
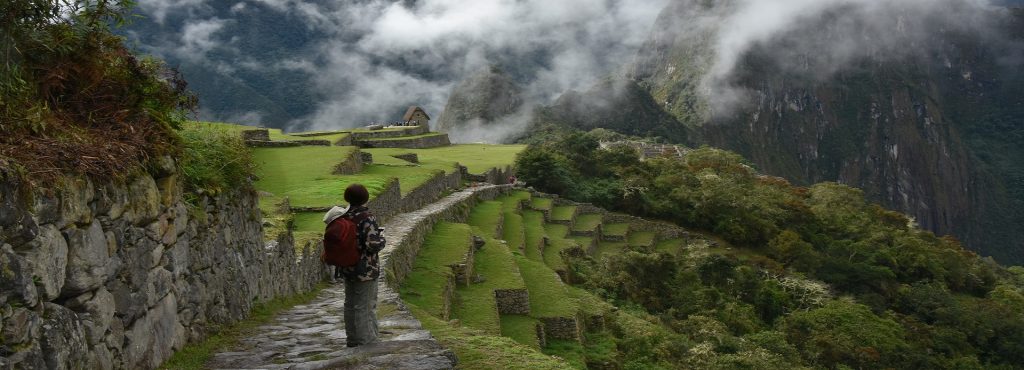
x=336, y=64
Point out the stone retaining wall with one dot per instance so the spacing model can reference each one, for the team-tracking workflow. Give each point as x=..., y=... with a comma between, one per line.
x=384, y=134
x=562, y=328
x=272, y=144
x=257, y=135
x=493, y=176
x=512, y=301
x=408, y=157
x=422, y=142
x=388, y=203
x=429, y=191
x=401, y=253
x=120, y=275
x=351, y=165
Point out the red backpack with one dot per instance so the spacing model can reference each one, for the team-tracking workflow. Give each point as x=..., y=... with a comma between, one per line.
x=341, y=242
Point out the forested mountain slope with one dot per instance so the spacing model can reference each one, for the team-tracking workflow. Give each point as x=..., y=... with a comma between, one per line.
x=923, y=114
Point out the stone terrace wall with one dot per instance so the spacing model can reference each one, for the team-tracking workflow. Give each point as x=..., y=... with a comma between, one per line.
x=513, y=301
x=388, y=203
x=430, y=191
x=423, y=142
x=351, y=165
x=119, y=276
x=401, y=253
x=384, y=134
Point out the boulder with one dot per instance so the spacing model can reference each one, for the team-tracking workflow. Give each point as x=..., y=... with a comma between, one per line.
x=97, y=309
x=16, y=279
x=48, y=257
x=75, y=197
x=88, y=259
x=63, y=339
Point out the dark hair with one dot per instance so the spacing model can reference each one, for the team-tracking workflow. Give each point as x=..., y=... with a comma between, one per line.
x=356, y=195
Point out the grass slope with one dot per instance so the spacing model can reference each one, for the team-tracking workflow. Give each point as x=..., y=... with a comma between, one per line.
x=521, y=328
x=533, y=227
x=587, y=222
x=641, y=238
x=548, y=295
x=673, y=246
x=563, y=213
x=478, y=158
x=620, y=229
x=447, y=244
x=540, y=203
x=605, y=247
x=486, y=216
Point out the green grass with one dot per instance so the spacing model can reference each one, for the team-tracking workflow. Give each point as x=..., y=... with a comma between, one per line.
x=513, y=231
x=478, y=158
x=548, y=295
x=563, y=213
x=589, y=303
x=510, y=202
x=540, y=203
x=521, y=328
x=477, y=350
x=476, y=305
x=573, y=352
x=475, y=308
x=195, y=355
x=447, y=244
x=615, y=229
x=604, y=248
x=587, y=222
x=302, y=173
x=486, y=217
x=672, y=246
x=309, y=221
x=552, y=254
x=533, y=227
x=583, y=241
x=430, y=134
x=556, y=231
x=641, y=238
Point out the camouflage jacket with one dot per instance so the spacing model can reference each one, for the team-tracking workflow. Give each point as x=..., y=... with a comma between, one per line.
x=371, y=242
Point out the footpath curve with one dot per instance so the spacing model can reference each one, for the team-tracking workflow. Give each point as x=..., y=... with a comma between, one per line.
x=312, y=336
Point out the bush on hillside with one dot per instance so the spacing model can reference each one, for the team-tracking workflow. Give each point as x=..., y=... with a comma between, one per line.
x=74, y=99
x=214, y=158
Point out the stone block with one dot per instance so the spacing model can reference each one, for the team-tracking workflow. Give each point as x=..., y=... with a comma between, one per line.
x=16, y=279
x=48, y=257
x=144, y=201
x=75, y=196
x=63, y=340
x=88, y=259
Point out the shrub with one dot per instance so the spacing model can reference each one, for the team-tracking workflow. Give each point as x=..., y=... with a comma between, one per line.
x=214, y=159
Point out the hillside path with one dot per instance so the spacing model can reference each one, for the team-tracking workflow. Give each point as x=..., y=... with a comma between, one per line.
x=312, y=336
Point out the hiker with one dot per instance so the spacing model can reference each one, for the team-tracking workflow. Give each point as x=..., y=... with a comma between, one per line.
x=360, y=279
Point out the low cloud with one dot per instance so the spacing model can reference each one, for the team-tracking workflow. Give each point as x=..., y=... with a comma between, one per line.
x=373, y=57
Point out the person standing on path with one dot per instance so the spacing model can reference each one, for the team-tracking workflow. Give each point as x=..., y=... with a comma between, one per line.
x=361, y=279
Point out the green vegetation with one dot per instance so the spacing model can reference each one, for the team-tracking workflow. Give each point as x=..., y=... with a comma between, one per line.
x=478, y=158
x=476, y=304
x=478, y=350
x=411, y=137
x=587, y=222
x=74, y=100
x=606, y=247
x=533, y=227
x=548, y=296
x=446, y=245
x=195, y=355
x=802, y=277
x=553, y=253
x=641, y=238
x=671, y=246
x=214, y=159
x=563, y=213
x=486, y=217
x=521, y=328
x=540, y=203
x=304, y=174
x=615, y=229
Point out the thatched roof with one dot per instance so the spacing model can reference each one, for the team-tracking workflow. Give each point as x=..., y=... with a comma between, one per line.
x=412, y=110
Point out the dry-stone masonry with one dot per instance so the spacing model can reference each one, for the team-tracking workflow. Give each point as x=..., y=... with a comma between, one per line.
x=119, y=275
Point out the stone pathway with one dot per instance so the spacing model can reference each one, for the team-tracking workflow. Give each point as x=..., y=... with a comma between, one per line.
x=312, y=336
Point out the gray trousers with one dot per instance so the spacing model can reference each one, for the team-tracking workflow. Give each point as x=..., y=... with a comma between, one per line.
x=360, y=312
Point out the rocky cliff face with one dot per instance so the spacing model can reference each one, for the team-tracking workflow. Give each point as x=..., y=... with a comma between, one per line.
x=911, y=120
x=107, y=276
x=480, y=106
